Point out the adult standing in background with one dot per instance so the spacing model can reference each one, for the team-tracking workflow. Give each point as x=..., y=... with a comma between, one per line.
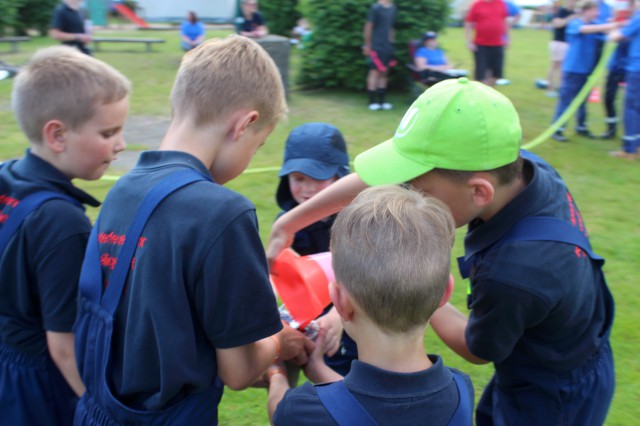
x=191, y=32
x=487, y=21
x=252, y=23
x=68, y=27
x=378, y=47
x=558, y=46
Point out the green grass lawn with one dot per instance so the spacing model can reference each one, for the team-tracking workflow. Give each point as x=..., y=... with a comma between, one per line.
x=606, y=189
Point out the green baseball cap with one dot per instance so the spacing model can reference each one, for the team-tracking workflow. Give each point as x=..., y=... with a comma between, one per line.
x=456, y=125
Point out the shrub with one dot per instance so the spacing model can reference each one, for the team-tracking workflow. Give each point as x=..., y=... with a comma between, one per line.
x=281, y=15
x=334, y=58
x=34, y=14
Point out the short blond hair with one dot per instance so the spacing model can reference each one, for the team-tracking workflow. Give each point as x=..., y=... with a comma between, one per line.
x=61, y=83
x=222, y=76
x=583, y=5
x=391, y=250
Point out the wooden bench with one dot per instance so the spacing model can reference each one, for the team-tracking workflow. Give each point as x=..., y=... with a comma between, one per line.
x=148, y=41
x=14, y=42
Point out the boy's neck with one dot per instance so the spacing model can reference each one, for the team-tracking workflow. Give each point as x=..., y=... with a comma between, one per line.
x=186, y=137
x=504, y=194
x=399, y=353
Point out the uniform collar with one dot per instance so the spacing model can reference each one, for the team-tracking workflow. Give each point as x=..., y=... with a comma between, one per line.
x=162, y=159
x=366, y=379
x=35, y=169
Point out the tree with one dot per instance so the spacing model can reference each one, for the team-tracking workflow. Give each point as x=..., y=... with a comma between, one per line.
x=281, y=15
x=334, y=58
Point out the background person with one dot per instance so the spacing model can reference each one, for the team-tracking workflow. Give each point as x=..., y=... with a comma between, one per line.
x=192, y=32
x=486, y=21
x=378, y=48
x=68, y=26
x=558, y=46
x=252, y=23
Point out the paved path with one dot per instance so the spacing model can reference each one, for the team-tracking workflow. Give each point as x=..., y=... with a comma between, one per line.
x=143, y=133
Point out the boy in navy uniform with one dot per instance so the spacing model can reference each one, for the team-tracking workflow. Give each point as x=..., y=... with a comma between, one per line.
x=71, y=109
x=615, y=76
x=391, y=251
x=582, y=34
x=631, y=139
x=68, y=26
x=543, y=320
x=177, y=303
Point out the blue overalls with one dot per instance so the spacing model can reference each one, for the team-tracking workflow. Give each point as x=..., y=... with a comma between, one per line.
x=550, y=397
x=32, y=389
x=94, y=330
x=347, y=411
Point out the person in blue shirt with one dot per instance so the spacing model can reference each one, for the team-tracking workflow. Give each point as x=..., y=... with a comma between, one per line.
x=191, y=32
x=391, y=251
x=429, y=56
x=582, y=35
x=631, y=139
x=251, y=23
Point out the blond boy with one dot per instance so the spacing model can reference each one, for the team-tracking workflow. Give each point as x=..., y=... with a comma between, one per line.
x=196, y=310
x=391, y=252
x=72, y=109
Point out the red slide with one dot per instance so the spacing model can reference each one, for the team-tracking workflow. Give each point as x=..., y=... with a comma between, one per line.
x=129, y=14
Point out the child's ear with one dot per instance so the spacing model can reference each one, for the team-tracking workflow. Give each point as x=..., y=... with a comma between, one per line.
x=54, y=135
x=483, y=190
x=242, y=122
x=448, y=291
x=341, y=300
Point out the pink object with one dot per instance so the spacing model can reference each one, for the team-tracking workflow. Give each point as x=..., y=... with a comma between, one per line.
x=302, y=283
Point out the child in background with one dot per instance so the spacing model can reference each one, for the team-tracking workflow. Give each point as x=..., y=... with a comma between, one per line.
x=544, y=320
x=391, y=252
x=71, y=108
x=193, y=310
x=631, y=139
x=315, y=156
x=582, y=34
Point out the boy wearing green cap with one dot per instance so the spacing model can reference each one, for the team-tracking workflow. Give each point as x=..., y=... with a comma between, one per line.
x=540, y=309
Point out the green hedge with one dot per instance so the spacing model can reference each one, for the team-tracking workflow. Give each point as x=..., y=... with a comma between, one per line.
x=18, y=16
x=334, y=58
x=281, y=15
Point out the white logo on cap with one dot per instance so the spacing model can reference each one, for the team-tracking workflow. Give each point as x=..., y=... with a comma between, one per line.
x=409, y=119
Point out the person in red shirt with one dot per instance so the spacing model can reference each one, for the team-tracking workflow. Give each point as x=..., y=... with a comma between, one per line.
x=486, y=20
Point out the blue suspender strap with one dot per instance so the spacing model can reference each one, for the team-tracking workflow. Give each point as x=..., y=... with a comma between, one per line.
x=343, y=406
x=26, y=206
x=539, y=228
x=90, y=282
x=462, y=416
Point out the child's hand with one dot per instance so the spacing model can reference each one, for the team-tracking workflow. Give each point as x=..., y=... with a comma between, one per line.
x=294, y=345
x=316, y=370
x=278, y=241
x=333, y=328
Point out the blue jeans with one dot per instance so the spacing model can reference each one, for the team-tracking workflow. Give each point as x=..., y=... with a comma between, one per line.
x=535, y=397
x=631, y=138
x=572, y=84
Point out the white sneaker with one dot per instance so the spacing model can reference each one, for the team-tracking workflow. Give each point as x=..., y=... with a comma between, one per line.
x=374, y=107
x=386, y=106
x=502, y=82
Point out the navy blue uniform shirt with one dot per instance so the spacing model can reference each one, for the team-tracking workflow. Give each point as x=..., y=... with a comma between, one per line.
x=426, y=397
x=198, y=281
x=68, y=20
x=41, y=265
x=537, y=304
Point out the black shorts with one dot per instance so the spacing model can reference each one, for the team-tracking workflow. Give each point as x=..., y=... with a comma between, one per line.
x=381, y=59
x=489, y=58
